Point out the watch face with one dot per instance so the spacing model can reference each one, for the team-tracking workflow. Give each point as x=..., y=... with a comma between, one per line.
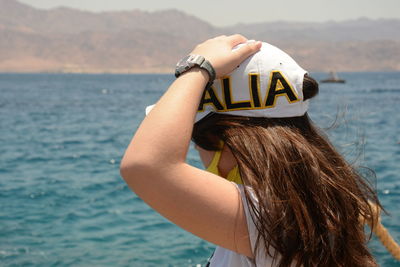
x=184, y=64
x=187, y=63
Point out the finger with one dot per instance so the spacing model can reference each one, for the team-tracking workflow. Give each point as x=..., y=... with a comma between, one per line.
x=236, y=39
x=248, y=49
x=220, y=37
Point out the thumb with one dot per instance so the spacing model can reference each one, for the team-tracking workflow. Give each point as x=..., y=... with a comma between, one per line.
x=248, y=49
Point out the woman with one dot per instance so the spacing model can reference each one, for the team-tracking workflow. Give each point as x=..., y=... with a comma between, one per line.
x=300, y=203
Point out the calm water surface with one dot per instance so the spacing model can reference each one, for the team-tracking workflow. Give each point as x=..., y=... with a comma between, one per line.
x=63, y=203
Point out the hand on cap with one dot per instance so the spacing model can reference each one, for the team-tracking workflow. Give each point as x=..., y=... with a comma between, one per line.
x=218, y=51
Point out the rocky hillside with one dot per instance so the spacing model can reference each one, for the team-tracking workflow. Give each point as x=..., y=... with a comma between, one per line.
x=68, y=40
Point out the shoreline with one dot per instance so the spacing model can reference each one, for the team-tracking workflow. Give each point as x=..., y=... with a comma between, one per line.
x=171, y=72
x=93, y=71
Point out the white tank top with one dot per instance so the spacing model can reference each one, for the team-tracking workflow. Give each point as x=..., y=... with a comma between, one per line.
x=226, y=258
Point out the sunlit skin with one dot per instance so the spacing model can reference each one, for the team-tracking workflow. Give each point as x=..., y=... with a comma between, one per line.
x=227, y=161
x=158, y=173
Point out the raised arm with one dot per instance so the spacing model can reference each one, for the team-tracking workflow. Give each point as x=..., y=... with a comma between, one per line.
x=154, y=163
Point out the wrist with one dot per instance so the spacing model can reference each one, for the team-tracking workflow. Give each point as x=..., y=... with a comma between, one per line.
x=201, y=75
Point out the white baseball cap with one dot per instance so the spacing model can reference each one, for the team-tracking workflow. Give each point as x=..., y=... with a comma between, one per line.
x=267, y=84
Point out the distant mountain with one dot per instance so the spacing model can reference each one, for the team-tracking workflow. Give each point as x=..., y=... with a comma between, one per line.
x=355, y=45
x=353, y=30
x=69, y=40
x=70, y=21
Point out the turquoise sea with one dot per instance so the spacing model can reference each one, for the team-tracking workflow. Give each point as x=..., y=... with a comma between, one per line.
x=63, y=202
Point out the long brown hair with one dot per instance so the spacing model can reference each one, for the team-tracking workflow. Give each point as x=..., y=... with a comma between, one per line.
x=310, y=200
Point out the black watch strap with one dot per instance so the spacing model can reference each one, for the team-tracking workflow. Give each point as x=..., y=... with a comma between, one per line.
x=209, y=68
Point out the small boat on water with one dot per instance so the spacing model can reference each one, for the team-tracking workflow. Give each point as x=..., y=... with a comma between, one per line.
x=333, y=78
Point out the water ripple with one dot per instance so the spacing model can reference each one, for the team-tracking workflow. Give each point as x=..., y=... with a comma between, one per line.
x=64, y=204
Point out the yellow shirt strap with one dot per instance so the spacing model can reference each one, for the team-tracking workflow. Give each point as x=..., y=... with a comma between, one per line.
x=213, y=167
x=234, y=176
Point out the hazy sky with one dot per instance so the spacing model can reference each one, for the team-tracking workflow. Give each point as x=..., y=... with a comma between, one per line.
x=229, y=12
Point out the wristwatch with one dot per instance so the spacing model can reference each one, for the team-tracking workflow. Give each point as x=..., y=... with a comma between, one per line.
x=191, y=61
